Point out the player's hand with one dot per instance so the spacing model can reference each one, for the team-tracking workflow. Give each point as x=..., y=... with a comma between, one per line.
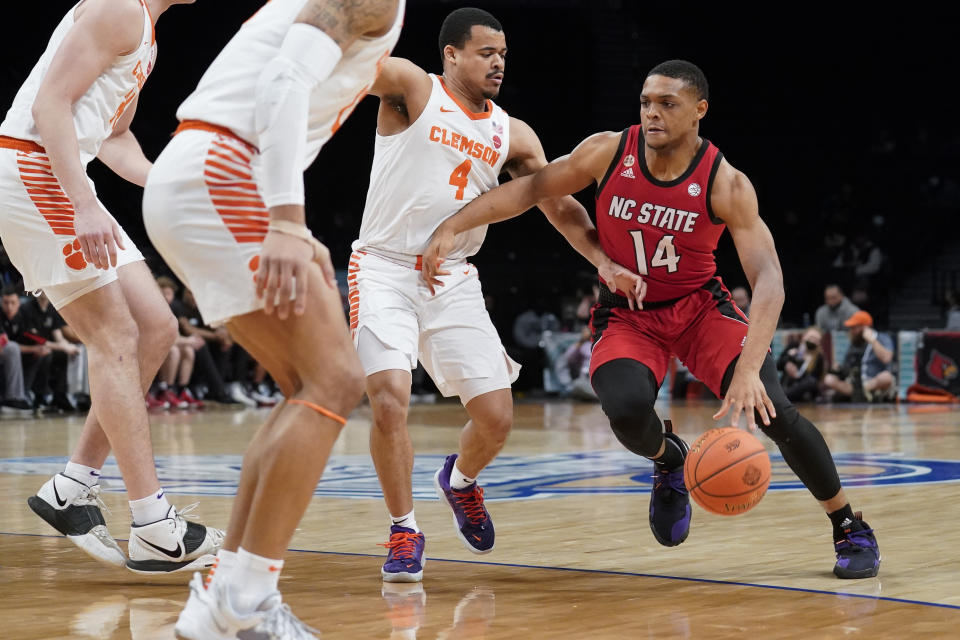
x=746, y=394
x=621, y=279
x=283, y=273
x=441, y=244
x=98, y=233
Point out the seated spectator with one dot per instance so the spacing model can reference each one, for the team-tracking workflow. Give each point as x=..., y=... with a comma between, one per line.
x=741, y=297
x=34, y=352
x=952, y=301
x=46, y=323
x=802, y=366
x=836, y=309
x=575, y=365
x=866, y=373
x=14, y=396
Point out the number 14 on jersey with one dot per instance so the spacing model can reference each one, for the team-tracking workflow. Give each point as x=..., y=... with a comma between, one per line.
x=664, y=256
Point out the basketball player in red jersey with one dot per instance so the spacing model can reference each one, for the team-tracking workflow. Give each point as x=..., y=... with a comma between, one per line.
x=665, y=196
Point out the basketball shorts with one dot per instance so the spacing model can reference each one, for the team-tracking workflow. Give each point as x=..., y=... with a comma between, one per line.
x=704, y=329
x=203, y=212
x=395, y=321
x=36, y=227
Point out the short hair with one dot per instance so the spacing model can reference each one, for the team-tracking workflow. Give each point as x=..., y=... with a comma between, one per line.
x=164, y=282
x=10, y=290
x=686, y=71
x=456, y=27
x=833, y=285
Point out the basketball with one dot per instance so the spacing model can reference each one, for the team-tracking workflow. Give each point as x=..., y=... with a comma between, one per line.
x=727, y=471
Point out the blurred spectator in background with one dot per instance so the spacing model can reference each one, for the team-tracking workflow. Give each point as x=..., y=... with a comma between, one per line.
x=866, y=373
x=14, y=397
x=802, y=365
x=867, y=260
x=42, y=320
x=741, y=297
x=34, y=353
x=836, y=309
x=952, y=302
x=171, y=388
x=574, y=367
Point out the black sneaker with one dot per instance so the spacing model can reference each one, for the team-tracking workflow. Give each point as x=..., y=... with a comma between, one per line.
x=858, y=554
x=670, y=512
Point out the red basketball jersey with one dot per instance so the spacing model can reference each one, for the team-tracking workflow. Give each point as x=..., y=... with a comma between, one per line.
x=665, y=231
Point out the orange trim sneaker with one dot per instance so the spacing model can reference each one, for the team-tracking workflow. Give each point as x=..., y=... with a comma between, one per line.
x=405, y=556
x=470, y=517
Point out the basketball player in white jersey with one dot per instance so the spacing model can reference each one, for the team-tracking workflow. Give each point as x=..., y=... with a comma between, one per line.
x=76, y=105
x=224, y=205
x=440, y=143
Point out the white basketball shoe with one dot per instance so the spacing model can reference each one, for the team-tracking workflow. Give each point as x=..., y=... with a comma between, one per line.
x=73, y=509
x=172, y=544
x=208, y=615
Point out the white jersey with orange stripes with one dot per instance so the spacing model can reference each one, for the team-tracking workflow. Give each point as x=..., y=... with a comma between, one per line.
x=426, y=173
x=227, y=93
x=97, y=112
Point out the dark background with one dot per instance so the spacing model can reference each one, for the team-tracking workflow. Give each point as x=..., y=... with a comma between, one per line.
x=843, y=120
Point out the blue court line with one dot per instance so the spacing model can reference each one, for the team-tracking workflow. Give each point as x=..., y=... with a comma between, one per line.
x=600, y=572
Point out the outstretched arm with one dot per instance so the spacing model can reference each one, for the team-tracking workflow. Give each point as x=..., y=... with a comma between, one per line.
x=549, y=186
x=735, y=202
x=103, y=30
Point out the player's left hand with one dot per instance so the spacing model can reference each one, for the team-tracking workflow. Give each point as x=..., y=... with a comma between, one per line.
x=746, y=394
x=283, y=273
x=620, y=279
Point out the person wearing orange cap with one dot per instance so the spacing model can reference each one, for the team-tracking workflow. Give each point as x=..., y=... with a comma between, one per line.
x=865, y=373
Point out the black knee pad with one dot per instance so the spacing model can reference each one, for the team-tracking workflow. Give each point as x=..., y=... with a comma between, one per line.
x=627, y=392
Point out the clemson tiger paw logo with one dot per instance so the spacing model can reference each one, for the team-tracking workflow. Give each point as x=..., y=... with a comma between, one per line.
x=254, y=265
x=73, y=257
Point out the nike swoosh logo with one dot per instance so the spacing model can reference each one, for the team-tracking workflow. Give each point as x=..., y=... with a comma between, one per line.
x=445, y=110
x=175, y=553
x=60, y=502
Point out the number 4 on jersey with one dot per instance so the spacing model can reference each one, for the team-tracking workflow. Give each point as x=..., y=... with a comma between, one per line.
x=664, y=256
x=460, y=177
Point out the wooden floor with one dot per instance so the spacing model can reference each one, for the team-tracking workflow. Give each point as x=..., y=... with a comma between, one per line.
x=574, y=556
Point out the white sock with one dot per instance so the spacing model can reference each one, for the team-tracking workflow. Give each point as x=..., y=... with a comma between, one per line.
x=252, y=579
x=458, y=480
x=150, y=509
x=82, y=473
x=407, y=521
x=223, y=566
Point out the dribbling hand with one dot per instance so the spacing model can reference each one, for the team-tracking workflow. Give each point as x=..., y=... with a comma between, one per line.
x=746, y=395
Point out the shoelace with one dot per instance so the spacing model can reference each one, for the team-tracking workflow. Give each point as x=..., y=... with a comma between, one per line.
x=862, y=539
x=281, y=623
x=472, y=503
x=402, y=544
x=90, y=496
x=674, y=480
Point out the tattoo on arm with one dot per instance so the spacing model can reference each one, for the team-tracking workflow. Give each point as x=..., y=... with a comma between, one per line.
x=346, y=20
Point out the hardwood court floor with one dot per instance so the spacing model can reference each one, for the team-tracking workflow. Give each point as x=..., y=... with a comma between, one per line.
x=574, y=556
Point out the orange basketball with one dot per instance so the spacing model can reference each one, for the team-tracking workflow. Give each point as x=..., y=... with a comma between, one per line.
x=727, y=471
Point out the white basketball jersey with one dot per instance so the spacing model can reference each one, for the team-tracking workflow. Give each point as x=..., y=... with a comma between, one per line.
x=226, y=95
x=97, y=112
x=426, y=173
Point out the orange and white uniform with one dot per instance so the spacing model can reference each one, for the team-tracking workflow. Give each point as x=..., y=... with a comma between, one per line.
x=420, y=177
x=36, y=218
x=202, y=205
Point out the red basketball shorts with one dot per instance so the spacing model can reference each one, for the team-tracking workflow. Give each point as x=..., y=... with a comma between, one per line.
x=704, y=329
